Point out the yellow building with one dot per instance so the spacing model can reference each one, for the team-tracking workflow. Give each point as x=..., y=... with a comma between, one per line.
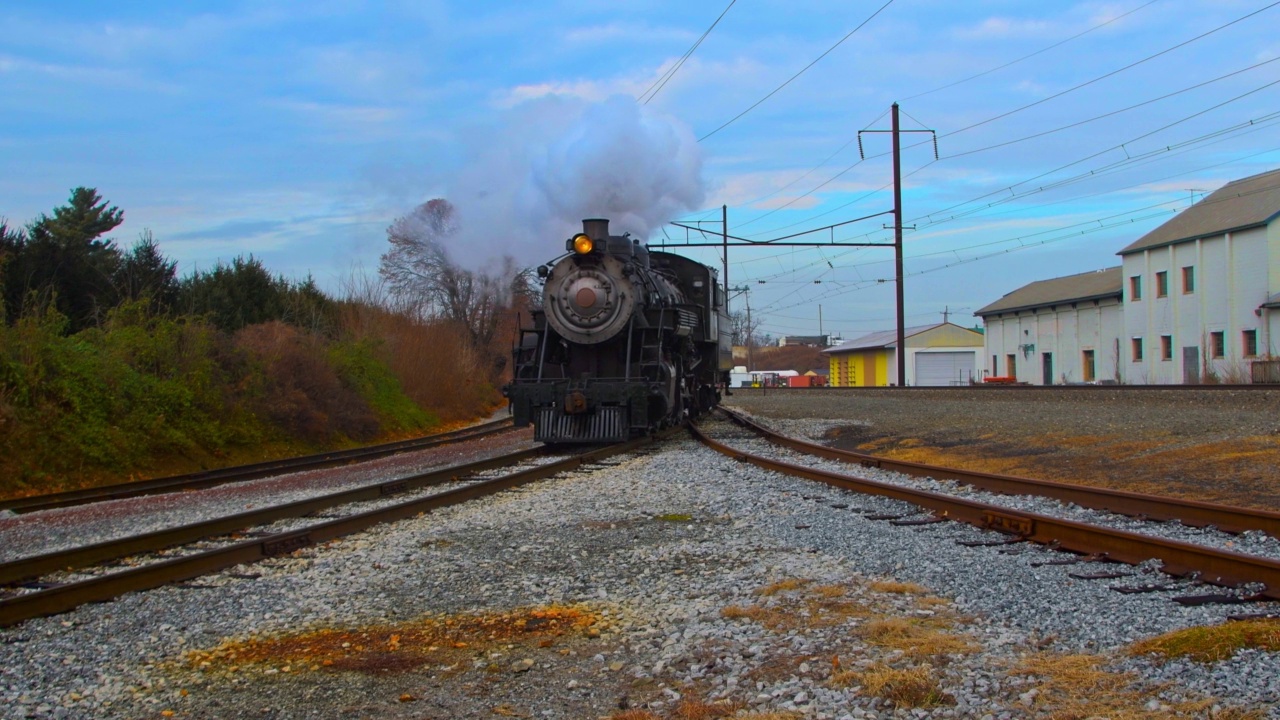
x=940, y=354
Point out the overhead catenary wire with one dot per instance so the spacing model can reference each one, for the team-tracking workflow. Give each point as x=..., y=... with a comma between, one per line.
x=1035, y=103
x=1089, y=227
x=802, y=71
x=662, y=81
x=1031, y=55
x=929, y=92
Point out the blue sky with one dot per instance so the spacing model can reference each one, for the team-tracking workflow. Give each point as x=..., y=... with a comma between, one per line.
x=298, y=132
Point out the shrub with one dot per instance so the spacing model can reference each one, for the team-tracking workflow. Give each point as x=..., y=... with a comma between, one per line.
x=293, y=384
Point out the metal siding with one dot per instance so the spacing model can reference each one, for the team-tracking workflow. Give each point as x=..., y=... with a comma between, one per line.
x=934, y=369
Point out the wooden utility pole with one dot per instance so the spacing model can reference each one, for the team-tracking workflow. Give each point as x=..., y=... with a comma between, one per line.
x=724, y=241
x=897, y=248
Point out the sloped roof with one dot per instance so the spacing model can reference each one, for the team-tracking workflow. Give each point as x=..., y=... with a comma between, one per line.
x=1056, y=291
x=1239, y=204
x=1272, y=302
x=884, y=338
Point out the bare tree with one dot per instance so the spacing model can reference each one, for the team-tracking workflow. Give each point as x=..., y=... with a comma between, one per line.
x=420, y=273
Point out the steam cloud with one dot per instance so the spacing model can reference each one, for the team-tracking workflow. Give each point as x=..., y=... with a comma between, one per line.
x=556, y=161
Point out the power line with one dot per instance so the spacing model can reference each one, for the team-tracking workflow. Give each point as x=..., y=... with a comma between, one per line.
x=1121, y=110
x=770, y=278
x=802, y=71
x=922, y=94
x=661, y=82
x=1100, y=222
x=1025, y=107
x=1113, y=72
x=1027, y=57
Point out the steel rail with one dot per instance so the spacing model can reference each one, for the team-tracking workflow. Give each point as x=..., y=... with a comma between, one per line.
x=240, y=473
x=15, y=571
x=66, y=597
x=1194, y=513
x=1218, y=567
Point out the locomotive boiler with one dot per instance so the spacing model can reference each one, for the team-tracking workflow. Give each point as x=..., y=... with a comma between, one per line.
x=626, y=341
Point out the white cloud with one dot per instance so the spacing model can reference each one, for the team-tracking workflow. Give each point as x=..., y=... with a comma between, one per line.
x=341, y=114
x=617, y=32
x=1003, y=27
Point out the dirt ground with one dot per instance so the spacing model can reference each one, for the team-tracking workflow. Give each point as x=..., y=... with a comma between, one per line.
x=1209, y=443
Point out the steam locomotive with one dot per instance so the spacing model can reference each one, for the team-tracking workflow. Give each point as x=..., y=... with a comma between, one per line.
x=626, y=341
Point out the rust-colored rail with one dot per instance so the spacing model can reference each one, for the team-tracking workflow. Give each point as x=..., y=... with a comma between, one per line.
x=1227, y=518
x=240, y=473
x=66, y=597
x=1214, y=566
x=29, y=567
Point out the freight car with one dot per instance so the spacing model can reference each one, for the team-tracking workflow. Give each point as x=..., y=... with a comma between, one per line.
x=626, y=341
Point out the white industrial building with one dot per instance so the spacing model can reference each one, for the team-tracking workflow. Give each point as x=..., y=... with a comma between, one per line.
x=1201, y=290
x=1195, y=300
x=1059, y=331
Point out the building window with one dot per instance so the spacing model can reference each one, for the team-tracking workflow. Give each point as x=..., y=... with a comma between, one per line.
x=1166, y=347
x=1162, y=284
x=1188, y=279
x=1250, y=343
x=1217, y=344
x=1136, y=344
x=1135, y=288
x=1089, y=369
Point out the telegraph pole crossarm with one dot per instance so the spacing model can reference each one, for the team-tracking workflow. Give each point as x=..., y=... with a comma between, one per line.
x=901, y=351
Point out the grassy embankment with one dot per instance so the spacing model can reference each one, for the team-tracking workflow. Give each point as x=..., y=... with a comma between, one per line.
x=146, y=395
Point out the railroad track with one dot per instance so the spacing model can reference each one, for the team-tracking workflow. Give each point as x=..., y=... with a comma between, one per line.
x=1227, y=518
x=241, y=473
x=1210, y=565
x=35, y=599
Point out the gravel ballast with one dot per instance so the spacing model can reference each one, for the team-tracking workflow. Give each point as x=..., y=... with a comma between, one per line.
x=707, y=579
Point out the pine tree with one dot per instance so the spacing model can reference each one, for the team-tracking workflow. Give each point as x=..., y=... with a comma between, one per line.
x=65, y=262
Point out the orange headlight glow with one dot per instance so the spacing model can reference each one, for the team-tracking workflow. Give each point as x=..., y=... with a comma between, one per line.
x=582, y=243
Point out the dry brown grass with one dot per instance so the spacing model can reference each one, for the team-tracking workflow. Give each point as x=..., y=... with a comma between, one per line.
x=783, y=586
x=402, y=647
x=693, y=709
x=1154, y=463
x=916, y=637
x=435, y=362
x=914, y=687
x=634, y=715
x=1071, y=687
x=893, y=587
x=1214, y=642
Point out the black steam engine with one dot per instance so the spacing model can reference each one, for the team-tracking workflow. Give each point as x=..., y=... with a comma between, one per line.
x=626, y=341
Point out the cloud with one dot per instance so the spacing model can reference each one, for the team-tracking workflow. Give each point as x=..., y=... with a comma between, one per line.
x=619, y=32
x=1003, y=27
x=341, y=114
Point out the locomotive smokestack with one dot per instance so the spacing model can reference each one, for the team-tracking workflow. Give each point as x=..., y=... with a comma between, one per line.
x=596, y=228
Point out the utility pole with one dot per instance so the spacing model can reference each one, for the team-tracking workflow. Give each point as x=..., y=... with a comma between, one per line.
x=897, y=230
x=897, y=248
x=724, y=241
x=819, y=320
x=946, y=313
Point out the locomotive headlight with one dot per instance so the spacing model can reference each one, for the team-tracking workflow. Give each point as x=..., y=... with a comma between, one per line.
x=582, y=243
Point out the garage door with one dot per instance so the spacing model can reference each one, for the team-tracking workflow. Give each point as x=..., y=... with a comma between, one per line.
x=944, y=368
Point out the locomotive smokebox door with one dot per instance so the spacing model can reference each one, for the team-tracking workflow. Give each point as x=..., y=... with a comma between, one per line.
x=575, y=403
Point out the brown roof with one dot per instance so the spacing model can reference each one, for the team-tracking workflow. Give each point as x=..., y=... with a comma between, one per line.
x=1239, y=204
x=1057, y=291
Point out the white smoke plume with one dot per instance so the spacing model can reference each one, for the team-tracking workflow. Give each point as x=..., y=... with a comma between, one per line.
x=554, y=161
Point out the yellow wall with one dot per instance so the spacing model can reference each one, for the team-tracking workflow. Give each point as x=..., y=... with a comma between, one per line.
x=946, y=336
x=865, y=368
